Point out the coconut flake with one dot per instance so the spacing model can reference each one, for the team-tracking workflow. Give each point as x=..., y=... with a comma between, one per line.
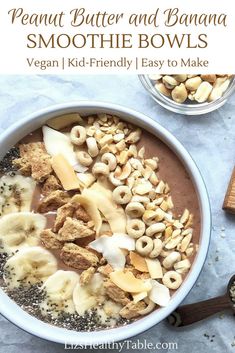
x=123, y=241
x=154, y=268
x=139, y=296
x=58, y=143
x=86, y=179
x=79, y=167
x=159, y=293
x=110, y=248
x=129, y=283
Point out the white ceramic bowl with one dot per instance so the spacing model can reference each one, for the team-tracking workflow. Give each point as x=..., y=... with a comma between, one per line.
x=32, y=325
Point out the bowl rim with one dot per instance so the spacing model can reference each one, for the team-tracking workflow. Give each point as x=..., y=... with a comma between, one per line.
x=22, y=319
x=186, y=108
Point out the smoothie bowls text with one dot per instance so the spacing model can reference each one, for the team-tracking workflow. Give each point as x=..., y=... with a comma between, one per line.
x=100, y=223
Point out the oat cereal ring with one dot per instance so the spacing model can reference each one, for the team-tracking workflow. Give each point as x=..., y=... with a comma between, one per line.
x=84, y=158
x=122, y=194
x=164, y=253
x=144, y=245
x=78, y=135
x=157, y=248
x=114, y=181
x=170, y=260
x=100, y=168
x=110, y=160
x=135, y=209
x=155, y=228
x=141, y=199
x=149, y=217
x=172, y=279
x=135, y=228
x=150, y=306
x=92, y=146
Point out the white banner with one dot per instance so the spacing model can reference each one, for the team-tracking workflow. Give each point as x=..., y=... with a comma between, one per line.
x=100, y=37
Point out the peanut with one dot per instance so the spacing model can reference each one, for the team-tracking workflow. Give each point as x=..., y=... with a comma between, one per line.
x=193, y=83
x=203, y=92
x=162, y=89
x=216, y=93
x=209, y=78
x=197, y=88
x=180, y=78
x=169, y=81
x=179, y=93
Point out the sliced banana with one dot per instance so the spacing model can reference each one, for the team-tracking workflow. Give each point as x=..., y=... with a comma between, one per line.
x=108, y=317
x=110, y=311
x=89, y=296
x=16, y=193
x=29, y=266
x=59, y=292
x=20, y=229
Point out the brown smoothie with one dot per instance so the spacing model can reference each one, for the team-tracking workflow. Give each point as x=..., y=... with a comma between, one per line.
x=171, y=170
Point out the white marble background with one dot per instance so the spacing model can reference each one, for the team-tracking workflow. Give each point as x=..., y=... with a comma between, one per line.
x=211, y=141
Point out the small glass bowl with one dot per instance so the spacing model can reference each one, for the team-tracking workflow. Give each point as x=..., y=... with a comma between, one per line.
x=192, y=108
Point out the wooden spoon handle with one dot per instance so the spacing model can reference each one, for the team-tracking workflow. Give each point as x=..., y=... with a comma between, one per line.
x=188, y=314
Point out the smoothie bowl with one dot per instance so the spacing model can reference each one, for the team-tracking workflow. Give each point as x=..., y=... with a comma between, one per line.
x=104, y=226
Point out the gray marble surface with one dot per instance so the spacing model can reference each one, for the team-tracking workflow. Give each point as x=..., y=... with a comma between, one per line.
x=211, y=141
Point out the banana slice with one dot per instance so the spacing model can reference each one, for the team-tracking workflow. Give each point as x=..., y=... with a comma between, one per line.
x=112, y=309
x=16, y=193
x=109, y=313
x=89, y=296
x=60, y=285
x=29, y=266
x=20, y=229
x=59, y=292
x=108, y=318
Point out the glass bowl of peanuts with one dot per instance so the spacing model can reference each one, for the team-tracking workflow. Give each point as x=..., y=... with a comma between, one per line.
x=189, y=94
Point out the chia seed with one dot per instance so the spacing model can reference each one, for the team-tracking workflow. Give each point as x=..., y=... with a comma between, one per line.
x=90, y=321
x=30, y=297
x=3, y=259
x=210, y=338
x=6, y=165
